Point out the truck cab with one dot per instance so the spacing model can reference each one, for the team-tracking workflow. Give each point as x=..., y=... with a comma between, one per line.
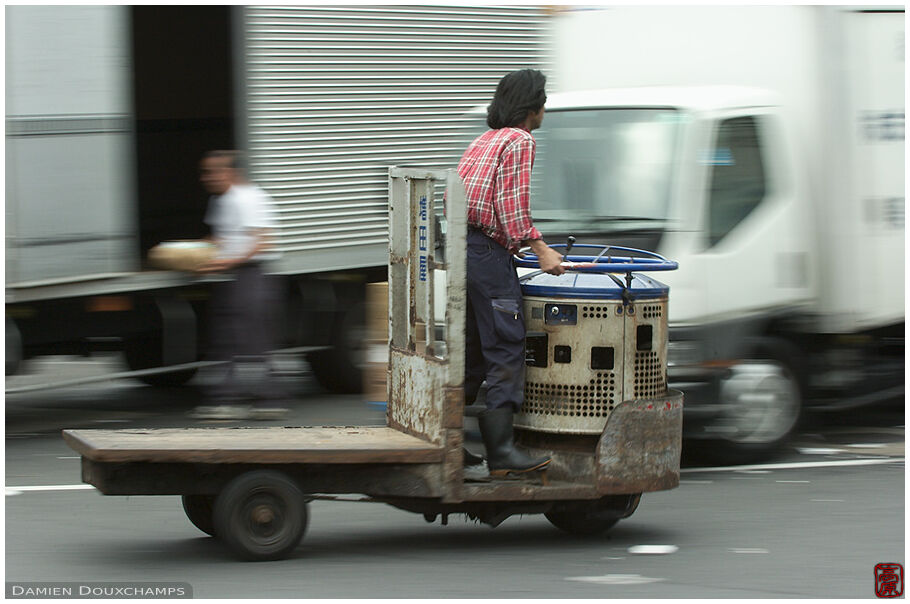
x=704, y=175
x=761, y=147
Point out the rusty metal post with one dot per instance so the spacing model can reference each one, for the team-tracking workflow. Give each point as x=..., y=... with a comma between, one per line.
x=426, y=382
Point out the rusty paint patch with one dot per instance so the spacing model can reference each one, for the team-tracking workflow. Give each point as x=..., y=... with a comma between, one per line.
x=640, y=447
x=525, y=490
x=453, y=467
x=416, y=401
x=453, y=415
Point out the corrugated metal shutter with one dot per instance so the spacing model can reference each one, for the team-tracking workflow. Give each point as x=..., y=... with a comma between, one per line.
x=336, y=94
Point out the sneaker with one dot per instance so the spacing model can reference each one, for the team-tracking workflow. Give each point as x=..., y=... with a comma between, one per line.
x=267, y=413
x=477, y=472
x=221, y=412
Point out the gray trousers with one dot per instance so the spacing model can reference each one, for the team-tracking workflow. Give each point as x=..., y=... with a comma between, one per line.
x=243, y=314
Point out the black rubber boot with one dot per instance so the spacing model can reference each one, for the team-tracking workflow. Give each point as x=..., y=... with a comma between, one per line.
x=502, y=456
x=470, y=459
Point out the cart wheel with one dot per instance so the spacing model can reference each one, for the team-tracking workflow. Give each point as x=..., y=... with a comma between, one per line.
x=582, y=518
x=261, y=515
x=199, y=510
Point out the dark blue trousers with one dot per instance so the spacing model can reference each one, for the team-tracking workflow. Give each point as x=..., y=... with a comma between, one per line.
x=495, y=328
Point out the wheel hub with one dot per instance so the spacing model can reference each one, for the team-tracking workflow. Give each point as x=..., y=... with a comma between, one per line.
x=262, y=514
x=761, y=402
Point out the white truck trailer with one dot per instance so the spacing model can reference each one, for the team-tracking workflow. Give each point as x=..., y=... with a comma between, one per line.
x=762, y=148
x=110, y=108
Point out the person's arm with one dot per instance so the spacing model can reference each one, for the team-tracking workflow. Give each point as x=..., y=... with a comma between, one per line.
x=253, y=214
x=550, y=260
x=513, y=200
x=260, y=244
x=515, y=204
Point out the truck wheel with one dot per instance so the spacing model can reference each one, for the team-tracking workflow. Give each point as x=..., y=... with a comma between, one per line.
x=144, y=352
x=199, y=509
x=592, y=518
x=762, y=401
x=340, y=369
x=13, y=347
x=261, y=515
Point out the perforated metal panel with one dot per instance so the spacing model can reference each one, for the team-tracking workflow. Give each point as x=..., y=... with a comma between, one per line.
x=652, y=311
x=650, y=375
x=595, y=398
x=337, y=94
x=577, y=396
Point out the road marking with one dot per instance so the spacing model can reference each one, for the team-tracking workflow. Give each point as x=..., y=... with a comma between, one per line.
x=818, y=450
x=616, y=580
x=653, y=549
x=10, y=491
x=868, y=446
x=798, y=465
x=748, y=550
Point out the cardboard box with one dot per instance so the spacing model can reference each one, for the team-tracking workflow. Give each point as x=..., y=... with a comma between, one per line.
x=375, y=375
x=377, y=312
x=377, y=321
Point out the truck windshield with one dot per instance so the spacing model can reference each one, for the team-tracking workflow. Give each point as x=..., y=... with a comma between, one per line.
x=603, y=170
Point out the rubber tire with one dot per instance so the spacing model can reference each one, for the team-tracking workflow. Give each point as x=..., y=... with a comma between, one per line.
x=261, y=489
x=199, y=509
x=728, y=452
x=144, y=352
x=340, y=369
x=582, y=518
x=13, y=348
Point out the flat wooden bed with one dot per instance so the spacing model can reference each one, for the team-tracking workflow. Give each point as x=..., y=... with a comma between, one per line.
x=323, y=445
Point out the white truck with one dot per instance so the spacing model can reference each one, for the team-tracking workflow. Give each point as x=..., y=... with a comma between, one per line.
x=763, y=149
x=110, y=108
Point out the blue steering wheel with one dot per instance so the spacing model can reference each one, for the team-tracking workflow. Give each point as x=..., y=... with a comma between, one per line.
x=605, y=261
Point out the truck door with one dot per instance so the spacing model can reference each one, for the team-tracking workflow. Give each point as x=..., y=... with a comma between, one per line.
x=68, y=143
x=752, y=214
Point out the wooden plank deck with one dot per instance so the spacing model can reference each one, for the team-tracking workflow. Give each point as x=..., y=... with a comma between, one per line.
x=324, y=445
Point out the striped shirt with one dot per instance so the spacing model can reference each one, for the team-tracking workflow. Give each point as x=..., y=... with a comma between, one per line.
x=496, y=170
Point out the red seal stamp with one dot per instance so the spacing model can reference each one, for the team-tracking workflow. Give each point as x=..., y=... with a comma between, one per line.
x=889, y=580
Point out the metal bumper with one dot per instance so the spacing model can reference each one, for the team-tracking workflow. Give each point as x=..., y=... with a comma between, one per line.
x=639, y=449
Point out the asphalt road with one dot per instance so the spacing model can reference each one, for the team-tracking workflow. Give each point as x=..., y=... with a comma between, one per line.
x=816, y=529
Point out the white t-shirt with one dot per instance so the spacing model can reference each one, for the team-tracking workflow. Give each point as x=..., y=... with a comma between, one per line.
x=235, y=215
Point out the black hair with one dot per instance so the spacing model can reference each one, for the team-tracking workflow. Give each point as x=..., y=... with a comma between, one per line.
x=235, y=159
x=517, y=93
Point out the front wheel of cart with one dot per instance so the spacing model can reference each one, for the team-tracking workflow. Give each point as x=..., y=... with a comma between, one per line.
x=261, y=515
x=199, y=509
x=584, y=523
x=592, y=518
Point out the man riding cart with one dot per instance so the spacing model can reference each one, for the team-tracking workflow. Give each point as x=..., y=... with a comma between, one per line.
x=592, y=420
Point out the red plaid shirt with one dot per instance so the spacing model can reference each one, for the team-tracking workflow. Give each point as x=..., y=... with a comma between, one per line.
x=496, y=170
